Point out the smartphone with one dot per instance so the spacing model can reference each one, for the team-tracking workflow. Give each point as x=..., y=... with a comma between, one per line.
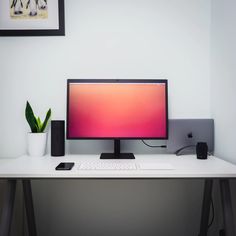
x=65, y=166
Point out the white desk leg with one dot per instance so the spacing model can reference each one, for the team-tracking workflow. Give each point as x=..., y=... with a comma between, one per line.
x=29, y=207
x=227, y=208
x=8, y=206
x=206, y=204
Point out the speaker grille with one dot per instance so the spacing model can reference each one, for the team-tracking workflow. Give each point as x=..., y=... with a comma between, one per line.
x=57, y=138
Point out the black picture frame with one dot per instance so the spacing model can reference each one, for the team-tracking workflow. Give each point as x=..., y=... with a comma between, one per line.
x=41, y=32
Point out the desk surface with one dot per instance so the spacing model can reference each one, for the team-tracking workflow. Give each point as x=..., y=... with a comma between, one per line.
x=186, y=166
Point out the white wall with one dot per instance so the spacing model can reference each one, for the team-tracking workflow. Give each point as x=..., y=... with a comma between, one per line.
x=223, y=82
x=107, y=39
x=111, y=39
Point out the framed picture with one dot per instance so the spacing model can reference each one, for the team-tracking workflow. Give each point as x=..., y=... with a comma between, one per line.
x=32, y=18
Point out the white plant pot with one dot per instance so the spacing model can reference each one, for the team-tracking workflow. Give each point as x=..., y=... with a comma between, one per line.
x=37, y=144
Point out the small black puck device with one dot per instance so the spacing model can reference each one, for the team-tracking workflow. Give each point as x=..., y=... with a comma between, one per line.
x=201, y=150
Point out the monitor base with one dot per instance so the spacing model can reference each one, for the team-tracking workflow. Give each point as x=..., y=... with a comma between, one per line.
x=117, y=156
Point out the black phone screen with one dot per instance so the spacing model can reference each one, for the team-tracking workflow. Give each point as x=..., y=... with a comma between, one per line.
x=65, y=166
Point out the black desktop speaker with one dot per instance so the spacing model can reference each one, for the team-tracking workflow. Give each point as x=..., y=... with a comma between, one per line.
x=57, y=138
x=201, y=150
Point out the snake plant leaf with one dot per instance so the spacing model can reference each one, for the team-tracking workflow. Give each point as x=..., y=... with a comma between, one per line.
x=39, y=124
x=29, y=115
x=48, y=115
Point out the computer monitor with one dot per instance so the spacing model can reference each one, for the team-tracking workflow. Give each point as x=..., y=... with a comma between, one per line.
x=117, y=109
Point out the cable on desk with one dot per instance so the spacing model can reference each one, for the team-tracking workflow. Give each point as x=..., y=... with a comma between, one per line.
x=178, y=152
x=159, y=146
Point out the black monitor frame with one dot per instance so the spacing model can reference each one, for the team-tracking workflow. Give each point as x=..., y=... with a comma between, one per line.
x=117, y=154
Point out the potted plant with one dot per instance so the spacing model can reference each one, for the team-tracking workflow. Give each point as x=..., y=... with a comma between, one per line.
x=37, y=138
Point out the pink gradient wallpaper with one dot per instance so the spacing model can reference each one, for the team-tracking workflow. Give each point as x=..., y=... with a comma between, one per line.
x=117, y=110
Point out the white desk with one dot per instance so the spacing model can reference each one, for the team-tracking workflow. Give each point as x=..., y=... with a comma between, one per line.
x=183, y=167
x=26, y=168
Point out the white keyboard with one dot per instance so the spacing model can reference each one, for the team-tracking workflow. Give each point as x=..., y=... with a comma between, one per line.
x=103, y=165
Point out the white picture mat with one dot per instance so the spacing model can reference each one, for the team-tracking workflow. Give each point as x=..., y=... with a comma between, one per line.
x=7, y=23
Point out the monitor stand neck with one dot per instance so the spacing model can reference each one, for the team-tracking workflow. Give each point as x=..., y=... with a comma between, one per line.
x=117, y=154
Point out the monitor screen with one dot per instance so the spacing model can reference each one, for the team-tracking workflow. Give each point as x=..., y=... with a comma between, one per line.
x=117, y=109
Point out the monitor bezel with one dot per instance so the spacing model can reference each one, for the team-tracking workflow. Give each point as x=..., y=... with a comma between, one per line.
x=71, y=81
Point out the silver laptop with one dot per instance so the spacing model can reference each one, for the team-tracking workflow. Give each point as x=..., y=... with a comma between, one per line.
x=184, y=134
